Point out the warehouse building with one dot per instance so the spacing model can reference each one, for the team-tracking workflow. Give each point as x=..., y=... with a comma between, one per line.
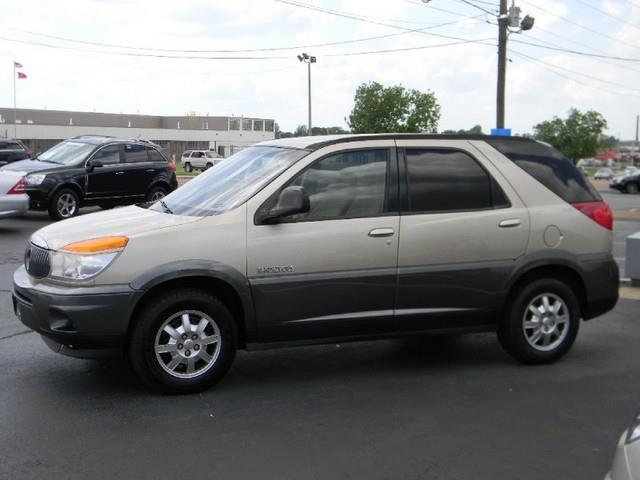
x=41, y=129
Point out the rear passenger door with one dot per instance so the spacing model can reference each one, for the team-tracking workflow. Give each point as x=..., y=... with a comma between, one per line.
x=462, y=227
x=138, y=170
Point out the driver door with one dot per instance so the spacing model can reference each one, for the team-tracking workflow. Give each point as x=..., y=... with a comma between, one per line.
x=329, y=272
x=105, y=181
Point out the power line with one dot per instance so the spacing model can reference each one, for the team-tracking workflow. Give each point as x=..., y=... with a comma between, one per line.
x=591, y=77
x=577, y=52
x=344, y=15
x=406, y=49
x=478, y=7
x=555, y=72
x=254, y=50
x=604, y=12
x=433, y=7
x=584, y=27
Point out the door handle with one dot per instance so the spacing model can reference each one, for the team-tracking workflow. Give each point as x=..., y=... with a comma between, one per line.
x=512, y=222
x=151, y=169
x=381, y=232
x=119, y=173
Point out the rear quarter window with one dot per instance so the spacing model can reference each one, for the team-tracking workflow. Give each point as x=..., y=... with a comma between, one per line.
x=549, y=167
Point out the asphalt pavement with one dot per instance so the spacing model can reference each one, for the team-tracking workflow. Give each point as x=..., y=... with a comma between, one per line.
x=421, y=408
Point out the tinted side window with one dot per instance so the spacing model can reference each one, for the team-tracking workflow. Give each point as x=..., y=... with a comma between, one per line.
x=345, y=185
x=10, y=146
x=155, y=155
x=135, y=154
x=448, y=180
x=549, y=167
x=108, y=155
x=187, y=153
x=197, y=155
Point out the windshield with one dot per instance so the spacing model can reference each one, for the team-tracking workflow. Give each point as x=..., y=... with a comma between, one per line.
x=231, y=183
x=67, y=153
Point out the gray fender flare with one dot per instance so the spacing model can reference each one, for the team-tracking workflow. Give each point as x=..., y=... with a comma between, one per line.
x=202, y=268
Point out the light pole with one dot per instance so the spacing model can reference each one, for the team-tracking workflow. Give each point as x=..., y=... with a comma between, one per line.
x=308, y=59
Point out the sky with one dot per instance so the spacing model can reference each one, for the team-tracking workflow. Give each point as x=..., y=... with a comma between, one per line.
x=61, y=45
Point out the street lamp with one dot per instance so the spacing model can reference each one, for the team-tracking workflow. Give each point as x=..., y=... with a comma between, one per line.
x=308, y=59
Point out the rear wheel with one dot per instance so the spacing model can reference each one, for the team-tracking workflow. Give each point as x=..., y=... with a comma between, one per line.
x=183, y=342
x=64, y=204
x=541, y=322
x=188, y=168
x=156, y=193
x=631, y=187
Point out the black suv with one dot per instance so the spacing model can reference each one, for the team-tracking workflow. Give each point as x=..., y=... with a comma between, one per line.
x=12, y=151
x=95, y=170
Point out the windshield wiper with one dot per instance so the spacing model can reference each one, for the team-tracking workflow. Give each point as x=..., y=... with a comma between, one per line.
x=165, y=207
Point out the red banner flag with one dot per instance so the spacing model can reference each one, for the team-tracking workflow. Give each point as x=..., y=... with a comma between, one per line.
x=22, y=75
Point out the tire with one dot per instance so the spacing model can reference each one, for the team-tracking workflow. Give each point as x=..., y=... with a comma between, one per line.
x=188, y=168
x=64, y=204
x=169, y=370
x=631, y=187
x=208, y=166
x=156, y=193
x=517, y=332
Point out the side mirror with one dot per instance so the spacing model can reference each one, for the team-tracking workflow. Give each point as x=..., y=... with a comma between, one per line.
x=291, y=200
x=91, y=164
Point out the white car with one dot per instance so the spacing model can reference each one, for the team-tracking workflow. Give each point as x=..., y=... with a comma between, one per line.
x=14, y=202
x=626, y=462
x=199, y=160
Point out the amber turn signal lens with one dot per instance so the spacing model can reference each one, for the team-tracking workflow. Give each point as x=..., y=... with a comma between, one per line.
x=96, y=245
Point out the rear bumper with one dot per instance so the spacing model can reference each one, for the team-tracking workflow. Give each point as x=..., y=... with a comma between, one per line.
x=601, y=280
x=13, y=205
x=78, y=320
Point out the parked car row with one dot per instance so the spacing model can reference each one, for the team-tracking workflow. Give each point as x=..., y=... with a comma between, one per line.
x=627, y=182
x=86, y=171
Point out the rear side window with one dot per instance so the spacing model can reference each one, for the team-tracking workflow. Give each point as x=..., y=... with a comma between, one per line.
x=549, y=167
x=448, y=181
x=155, y=155
x=10, y=146
x=135, y=154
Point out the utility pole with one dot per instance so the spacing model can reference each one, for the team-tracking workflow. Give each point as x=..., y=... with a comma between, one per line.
x=308, y=59
x=503, y=21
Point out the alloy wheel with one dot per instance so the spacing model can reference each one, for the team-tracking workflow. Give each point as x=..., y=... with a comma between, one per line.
x=66, y=205
x=187, y=344
x=545, y=322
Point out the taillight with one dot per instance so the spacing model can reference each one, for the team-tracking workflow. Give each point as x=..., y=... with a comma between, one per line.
x=172, y=166
x=17, y=188
x=599, y=212
x=29, y=153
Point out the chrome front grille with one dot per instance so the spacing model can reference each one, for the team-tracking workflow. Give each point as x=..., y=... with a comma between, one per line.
x=37, y=261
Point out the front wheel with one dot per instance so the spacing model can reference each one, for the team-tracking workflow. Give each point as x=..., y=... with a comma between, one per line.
x=541, y=322
x=208, y=166
x=64, y=204
x=184, y=342
x=632, y=187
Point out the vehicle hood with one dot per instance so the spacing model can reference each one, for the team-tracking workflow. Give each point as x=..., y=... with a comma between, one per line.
x=128, y=221
x=28, y=166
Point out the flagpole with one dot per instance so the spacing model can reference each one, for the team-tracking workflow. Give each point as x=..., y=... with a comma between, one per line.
x=15, y=115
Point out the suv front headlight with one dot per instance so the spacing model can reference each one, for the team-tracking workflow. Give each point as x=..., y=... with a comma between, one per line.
x=34, y=179
x=86, y=259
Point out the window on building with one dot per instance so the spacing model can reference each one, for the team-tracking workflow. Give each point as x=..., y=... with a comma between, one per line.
x=234, y=124
x=268, y=125
x=246, y=124
x=449, y=180
x=258, y=125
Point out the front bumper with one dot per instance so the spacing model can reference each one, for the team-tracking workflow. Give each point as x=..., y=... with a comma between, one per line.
x=13, y=205
x=78, y=319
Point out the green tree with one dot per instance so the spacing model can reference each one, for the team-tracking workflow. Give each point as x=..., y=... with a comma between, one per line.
x=380, y=109
x=577, y=136
x=475, y=130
